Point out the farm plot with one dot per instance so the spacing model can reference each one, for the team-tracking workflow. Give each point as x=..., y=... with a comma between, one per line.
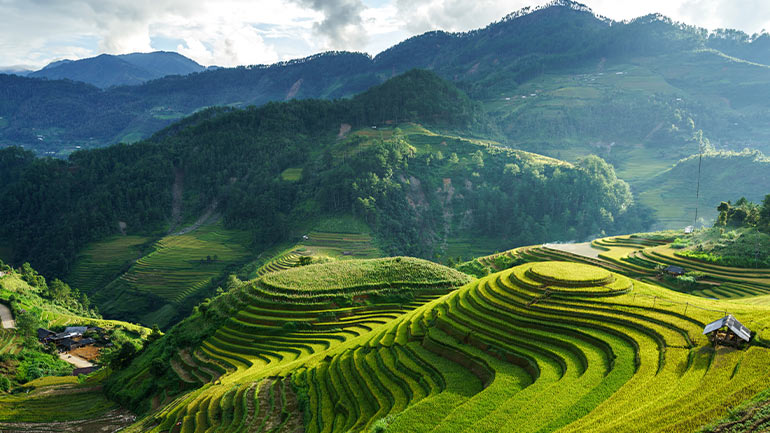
x=101, y=262
x=248, y=366
x=340, y=245
x=588, y=344
x=181, y=265
x=642, y=258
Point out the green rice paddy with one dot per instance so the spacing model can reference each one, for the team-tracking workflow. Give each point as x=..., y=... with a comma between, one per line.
x=101, y=262
x=598, y=352
x=171, y=270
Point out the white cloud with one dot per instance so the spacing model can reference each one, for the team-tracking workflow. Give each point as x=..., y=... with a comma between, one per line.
x=455, y=15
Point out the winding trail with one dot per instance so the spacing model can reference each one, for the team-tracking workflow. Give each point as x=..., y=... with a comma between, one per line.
x=6, y=317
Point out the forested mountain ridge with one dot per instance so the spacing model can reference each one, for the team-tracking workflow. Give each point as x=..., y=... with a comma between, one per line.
x=524, y=54
x=418, y=189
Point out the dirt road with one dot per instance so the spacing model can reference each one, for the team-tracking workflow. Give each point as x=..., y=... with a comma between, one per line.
x=6, y=317
x=77, y=361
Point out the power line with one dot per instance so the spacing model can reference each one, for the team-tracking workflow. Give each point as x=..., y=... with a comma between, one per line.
x=697, y=189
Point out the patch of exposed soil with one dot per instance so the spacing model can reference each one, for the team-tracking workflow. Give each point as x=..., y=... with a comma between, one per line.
x=176, y=200
x=108, y=423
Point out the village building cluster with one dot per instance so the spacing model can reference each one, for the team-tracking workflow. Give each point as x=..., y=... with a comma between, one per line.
x=74, y=337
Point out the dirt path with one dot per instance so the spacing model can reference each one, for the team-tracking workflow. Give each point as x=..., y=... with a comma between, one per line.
x=208, y=215
x=110, y=422
x=582, y=249
x=75, y=360
x=6, y=317
x=176, y=200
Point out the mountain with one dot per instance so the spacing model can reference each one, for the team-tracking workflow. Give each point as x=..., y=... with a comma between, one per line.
x=226, y=185
x=595, y=80
x=118, y=70
x=20, y=70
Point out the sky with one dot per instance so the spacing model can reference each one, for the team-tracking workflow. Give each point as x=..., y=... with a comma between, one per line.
x=246, y=32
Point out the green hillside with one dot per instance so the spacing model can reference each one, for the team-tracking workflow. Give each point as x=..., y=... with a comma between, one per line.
x=37, y=388
x=315, y=349
x=423, y=188
x=276, y=320
x=724, y=175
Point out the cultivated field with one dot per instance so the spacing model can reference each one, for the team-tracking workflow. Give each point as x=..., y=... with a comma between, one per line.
x=103, y=261
x=598, y=350
x=174, y=269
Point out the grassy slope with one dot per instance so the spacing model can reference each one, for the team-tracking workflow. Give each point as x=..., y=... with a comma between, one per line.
x=672, y=193
x=29, y=298
x=715, y=100
x=741, y=247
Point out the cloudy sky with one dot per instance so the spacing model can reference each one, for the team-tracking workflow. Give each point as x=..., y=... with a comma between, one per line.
x=237, y=32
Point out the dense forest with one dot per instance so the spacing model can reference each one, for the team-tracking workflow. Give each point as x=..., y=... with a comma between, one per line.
x=394, y=181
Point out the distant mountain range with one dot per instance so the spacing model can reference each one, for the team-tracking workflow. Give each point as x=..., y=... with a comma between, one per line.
x=646, y=74
x=108, y=70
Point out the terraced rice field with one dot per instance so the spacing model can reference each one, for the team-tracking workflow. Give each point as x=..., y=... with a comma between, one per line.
x=9, y=342
x=281, y=262
x=101, y=262
x=244, y=365
x=179, y=266
x=587, y=350
x=638, y=257
x=55, y=404
x=337, y=244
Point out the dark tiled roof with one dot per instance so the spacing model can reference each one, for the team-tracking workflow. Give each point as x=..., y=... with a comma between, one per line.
x=675, y=269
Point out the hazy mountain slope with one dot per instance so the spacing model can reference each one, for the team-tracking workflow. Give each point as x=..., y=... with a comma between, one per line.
x=724, y=176
x=108, y=70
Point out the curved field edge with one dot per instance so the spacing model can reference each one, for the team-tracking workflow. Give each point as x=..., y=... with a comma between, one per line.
x=470, y=359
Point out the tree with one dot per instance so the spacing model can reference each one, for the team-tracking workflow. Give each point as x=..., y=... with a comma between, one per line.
x=59, y=291
x=27, y=324
x=157, y=367
x=5, y=384
x=155, y=335
x=764, y=215
x=478, y=159
x=124, y=357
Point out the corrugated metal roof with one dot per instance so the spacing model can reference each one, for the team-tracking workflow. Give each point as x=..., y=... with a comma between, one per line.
x=732, y=324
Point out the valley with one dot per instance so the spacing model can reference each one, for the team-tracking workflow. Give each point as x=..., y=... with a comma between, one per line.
x=558, y=222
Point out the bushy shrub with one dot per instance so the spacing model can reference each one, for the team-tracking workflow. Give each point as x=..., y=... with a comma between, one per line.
x=680, y=243
x=5, y=384
x=381, y=425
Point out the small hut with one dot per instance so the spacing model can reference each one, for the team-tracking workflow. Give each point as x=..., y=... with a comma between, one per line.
x=674, y=270
x=727, y=331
